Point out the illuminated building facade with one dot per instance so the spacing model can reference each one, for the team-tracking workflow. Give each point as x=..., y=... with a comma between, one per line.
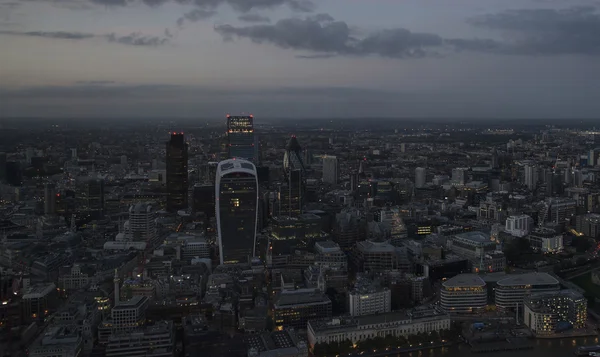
x=240, y=137
x=177, y=173
x=511, y=291
x=367, y=298
x=464, y=294
x=294, y=308
x=361, y=328
x=236, y=192
x=546, y=312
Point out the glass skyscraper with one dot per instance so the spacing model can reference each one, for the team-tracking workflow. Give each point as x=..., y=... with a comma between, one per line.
x=240, y=137
x=177, y=173
x=291, y=195
x=236, y=192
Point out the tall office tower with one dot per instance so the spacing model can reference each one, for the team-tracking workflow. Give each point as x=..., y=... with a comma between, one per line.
x=459, y=176
x=330, y=169
x=236, y=192
x=2, y=167
x=495, y=163
x=177, y=173
x=577, y=178
x=240, y=137
x=292, y=198
x=49, y=199
x=14, y=175
x=142, y=223
x=420, y=177
x=531, y=177
x=93, y=197
x=203, y=197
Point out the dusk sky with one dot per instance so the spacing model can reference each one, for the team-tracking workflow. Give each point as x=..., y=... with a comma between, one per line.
x=300, y=58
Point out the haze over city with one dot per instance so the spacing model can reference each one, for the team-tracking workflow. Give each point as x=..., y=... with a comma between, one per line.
x=299, y=58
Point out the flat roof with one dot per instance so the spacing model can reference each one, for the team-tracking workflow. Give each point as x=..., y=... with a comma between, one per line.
x=464, y=280
x=475, y=236
x=300, y=297
x=528, y=279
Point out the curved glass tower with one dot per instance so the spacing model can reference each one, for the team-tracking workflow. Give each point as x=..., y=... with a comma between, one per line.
x=236, y=193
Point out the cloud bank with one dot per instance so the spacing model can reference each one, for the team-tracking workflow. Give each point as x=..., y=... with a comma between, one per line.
x=133, y=39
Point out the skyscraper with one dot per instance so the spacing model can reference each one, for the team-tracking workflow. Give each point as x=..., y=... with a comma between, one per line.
x=177, y=173
x=236, y=192
x=292, y=193
x=330, y=169
x=240, y=137
x=420, y=177
x=49, y=198
x=531, y=177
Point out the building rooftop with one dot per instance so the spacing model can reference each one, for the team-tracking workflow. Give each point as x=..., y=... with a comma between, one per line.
x=395, y=317
x=464, y=280
x=327, y=247
x=39, y=291
x=528, y=279
x=478, y=237
x=375, y=247
x=135, y=301
x=300, y=297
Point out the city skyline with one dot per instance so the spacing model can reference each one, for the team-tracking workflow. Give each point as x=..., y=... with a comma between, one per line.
x=153, y=58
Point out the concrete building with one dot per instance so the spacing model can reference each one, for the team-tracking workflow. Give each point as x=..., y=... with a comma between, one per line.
x=294, y=308
x=58, y=341
x=371, y=256
x=368, y=298
x=357, y=329
x=157, y=340
x=479, y=249
x=531, y=177
x=464, y=294
x=545, y=312
x=330, y=169
x=512, y=290
x=284, y=343
x=519, y=226
x=545, y=240
x=125, y=317
x=420, y=177
x=589, y=225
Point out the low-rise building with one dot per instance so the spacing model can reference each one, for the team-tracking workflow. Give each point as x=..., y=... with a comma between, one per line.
x=157, y=340
x=59, y=341
x=464, y=294
x=512, y=290
x=369, y=298
x=547, y=313
x=356, y=329
x=294, y=308
x=545, y=240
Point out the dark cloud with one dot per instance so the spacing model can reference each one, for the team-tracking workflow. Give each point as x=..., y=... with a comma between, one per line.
x=326, y=36
x=109, y=89
x=253, y=18
x=134, y=39
x=546, y=31
x=57, y=34
x=137, y=39
x=95, y=83
x=195, y=16
x=238, y=5
x=321, y=18
x=321, y=56
x=477, y=45
x=110, y=2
